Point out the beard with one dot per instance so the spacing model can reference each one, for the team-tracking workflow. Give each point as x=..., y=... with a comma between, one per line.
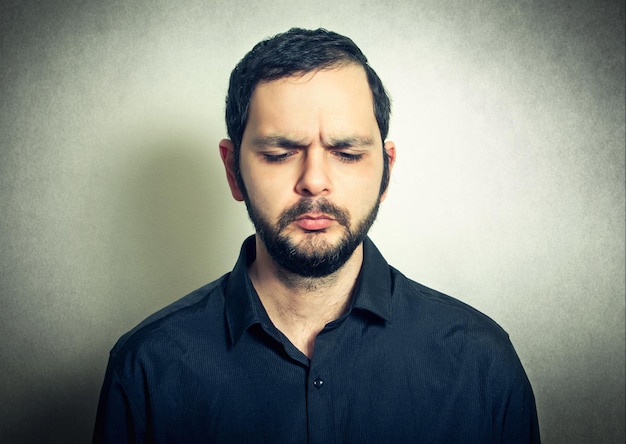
x=314, y=257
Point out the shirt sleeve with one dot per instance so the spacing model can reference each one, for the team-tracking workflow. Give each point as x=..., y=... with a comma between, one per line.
x=118, y=420
x=517, y=416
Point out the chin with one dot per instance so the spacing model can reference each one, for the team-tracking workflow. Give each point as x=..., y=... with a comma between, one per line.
x=318, y=240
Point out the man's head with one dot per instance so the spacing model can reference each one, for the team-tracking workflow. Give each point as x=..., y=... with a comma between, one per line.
x=295, y=52
x=307, y=118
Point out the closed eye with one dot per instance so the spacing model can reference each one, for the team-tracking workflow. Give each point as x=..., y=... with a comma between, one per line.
x=277, y=158
x=348, y=157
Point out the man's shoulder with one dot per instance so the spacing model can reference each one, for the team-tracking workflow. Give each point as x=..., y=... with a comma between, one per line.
x=432, y=309
x=173, y=319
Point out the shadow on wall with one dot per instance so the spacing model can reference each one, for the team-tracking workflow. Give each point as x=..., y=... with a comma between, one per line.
x=176, y=220
x=561, y=418
x=165, y=224
x=60, y=412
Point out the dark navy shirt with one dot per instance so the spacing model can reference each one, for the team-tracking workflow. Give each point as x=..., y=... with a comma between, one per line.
x=405, y=364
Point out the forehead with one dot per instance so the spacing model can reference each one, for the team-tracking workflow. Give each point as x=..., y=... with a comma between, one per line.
x=334, y=100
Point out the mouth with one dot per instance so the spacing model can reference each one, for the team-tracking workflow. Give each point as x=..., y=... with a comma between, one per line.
x=314, y=221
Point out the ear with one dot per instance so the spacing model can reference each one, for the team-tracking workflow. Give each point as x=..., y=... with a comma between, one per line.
x=390, y=149
x=227, y=153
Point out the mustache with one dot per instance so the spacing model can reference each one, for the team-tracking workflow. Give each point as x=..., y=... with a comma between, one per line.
x=304, y=206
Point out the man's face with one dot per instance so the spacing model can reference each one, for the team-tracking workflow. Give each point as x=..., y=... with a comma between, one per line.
x=311, y=163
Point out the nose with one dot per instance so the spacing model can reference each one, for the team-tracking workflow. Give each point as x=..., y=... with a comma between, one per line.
x=314, y=179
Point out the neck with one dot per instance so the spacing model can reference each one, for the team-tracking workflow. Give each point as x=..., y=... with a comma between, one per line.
x=299, y=306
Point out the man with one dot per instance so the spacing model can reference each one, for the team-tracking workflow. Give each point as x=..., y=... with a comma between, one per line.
x=313, y=337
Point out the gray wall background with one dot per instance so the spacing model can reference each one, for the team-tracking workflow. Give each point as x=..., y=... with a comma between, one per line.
x=508, y=192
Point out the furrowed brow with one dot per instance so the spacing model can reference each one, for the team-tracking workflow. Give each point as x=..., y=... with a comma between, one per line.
x=351, y=141
x=278, y=142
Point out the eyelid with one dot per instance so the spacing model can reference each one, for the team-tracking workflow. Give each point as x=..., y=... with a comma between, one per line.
x=276, y=156
x=347, y=156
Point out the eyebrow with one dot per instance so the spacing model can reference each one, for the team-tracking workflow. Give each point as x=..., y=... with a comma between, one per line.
x=291, y=143
x=278, y=141
x=346, y=142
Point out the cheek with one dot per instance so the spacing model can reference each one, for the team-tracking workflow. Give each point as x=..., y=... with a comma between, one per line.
x=265, y=192
x=360, y=197
x=366, y=183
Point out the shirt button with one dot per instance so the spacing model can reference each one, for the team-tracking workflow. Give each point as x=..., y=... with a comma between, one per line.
x=318, y=382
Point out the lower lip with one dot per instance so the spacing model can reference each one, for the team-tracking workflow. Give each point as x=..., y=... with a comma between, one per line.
x=314, y=224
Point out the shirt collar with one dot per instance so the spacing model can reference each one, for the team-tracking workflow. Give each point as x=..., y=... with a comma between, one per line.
x=374, y=285
x=242, y=302
x=243, y=307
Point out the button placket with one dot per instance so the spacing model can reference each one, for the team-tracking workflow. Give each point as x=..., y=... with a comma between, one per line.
x=322, y=389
